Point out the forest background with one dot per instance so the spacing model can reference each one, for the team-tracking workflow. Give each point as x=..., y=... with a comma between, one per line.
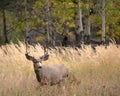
x=59, y=22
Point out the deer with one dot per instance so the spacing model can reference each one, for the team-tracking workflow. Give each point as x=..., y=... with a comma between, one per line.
x=46, y=74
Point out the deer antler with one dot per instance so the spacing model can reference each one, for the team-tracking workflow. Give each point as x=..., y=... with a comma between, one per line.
x=45, y=57
x=29, y=57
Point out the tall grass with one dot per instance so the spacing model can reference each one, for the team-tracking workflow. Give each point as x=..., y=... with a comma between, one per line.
x=91, y=73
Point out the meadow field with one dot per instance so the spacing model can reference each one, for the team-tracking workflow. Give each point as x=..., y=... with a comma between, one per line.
x=91, y=73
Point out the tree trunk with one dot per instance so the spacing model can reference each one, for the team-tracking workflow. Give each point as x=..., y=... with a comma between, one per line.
x=87, y=29
x=79, y=34
x=48, y=22
x=4, y=23
x=103, y=21
x=87, y=26
x=26, y=20
x=27, y=27
x=80, y=24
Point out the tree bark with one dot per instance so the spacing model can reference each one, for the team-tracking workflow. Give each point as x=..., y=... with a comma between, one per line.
x=87, y=25
x=47, y=20
x=103, y=21
x=4, y=23
x=80, y=17
x=26, y=19
x=27, y=38
x=79, y=35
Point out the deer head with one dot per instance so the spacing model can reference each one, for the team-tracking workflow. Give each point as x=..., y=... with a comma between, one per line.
x=37, y=62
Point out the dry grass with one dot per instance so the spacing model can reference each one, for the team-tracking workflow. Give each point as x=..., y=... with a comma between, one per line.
x=91, y=73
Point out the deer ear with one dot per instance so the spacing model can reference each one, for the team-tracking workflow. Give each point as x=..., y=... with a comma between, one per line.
x=29, y=57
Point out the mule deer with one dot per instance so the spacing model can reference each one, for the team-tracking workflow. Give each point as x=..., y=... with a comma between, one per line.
x=48, y=75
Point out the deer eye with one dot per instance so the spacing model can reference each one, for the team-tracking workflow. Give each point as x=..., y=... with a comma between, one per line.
x=36, y=61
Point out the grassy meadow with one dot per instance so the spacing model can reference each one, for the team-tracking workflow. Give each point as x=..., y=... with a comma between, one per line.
x=91, y=73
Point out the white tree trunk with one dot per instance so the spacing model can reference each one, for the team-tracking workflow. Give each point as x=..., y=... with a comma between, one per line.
x=80, y=24
x=103, y=21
